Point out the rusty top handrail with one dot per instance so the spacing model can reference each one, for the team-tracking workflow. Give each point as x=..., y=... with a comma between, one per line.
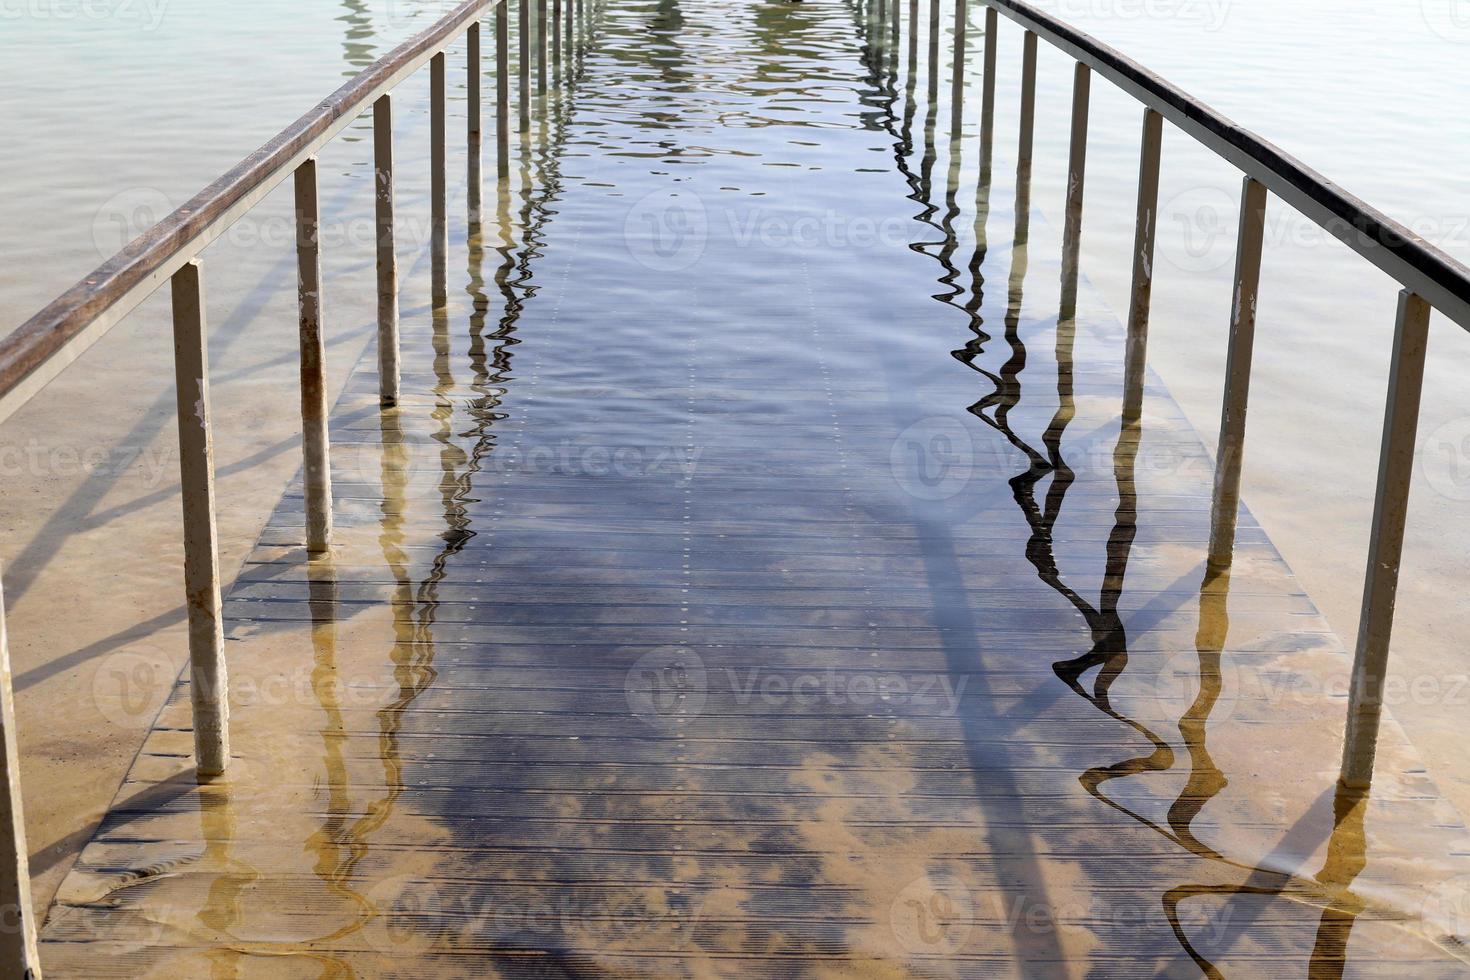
x=1418, y=265
x=40, y=348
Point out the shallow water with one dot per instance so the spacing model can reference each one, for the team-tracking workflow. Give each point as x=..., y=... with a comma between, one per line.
x=685, y=363
x=1373, y=103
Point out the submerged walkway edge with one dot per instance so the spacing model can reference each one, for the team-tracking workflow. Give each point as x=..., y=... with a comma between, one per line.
x=658, y=638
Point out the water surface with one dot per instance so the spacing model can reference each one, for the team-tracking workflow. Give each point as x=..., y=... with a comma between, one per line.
x=757, y=580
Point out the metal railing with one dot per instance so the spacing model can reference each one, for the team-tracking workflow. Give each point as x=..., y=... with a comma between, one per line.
x=1431, y=279
x=46, y=343
x=169, y=252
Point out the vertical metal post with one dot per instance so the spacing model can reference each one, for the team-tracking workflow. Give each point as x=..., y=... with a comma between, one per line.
x=1076, y=182
x=1028, y=106
x=540, y=22
x=472, y=134
x=1225, y=505
x=438, y=148
x=1390, y=509
x=987, y=91
x=502, y=91
x=957, y=95
x=525, y=63
x=316, y=474
x=1135, y=358
x=18, y=955
x=387, y=256
x=208, y=682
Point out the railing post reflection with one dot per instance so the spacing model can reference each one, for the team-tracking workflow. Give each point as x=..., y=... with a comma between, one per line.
x=474, y=117
x=539, y=21
x=388, y=362
x=438, y=145
x=208, y=684
x=1143, y=265
x=987, y=91
x=1390, y=509
x=1026, y=141
x=957, y=96
x=1225, y=505
x=523, y=26
x=502, y=91
x=18, y=955
x=933, y=58
x=1076, y=183
x=913, y=57
x=556, y=39
x=316, y=474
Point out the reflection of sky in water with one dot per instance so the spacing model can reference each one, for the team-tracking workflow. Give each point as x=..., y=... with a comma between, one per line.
x=505, y=613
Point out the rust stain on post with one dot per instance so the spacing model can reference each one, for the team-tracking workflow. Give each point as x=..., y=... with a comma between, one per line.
x=388, y=354
x=1225, y=504
x=1135, y=356
x=316, y=472
x=1390, y=512
x=18, y=956
x=208, y=687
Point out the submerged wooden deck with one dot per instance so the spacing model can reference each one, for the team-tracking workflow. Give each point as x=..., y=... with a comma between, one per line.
x=717, y=621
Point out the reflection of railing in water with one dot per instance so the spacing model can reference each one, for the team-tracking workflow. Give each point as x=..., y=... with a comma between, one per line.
x=1330, y=888
x=42, y=347
x=1430, y=278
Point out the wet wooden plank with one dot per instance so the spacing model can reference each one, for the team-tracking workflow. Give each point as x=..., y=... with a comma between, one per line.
x=794, y=710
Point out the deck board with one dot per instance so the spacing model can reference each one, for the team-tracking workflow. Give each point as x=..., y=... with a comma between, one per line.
x=765, y=699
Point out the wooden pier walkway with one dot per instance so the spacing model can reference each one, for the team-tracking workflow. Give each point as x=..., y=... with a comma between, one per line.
x=717, y=605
